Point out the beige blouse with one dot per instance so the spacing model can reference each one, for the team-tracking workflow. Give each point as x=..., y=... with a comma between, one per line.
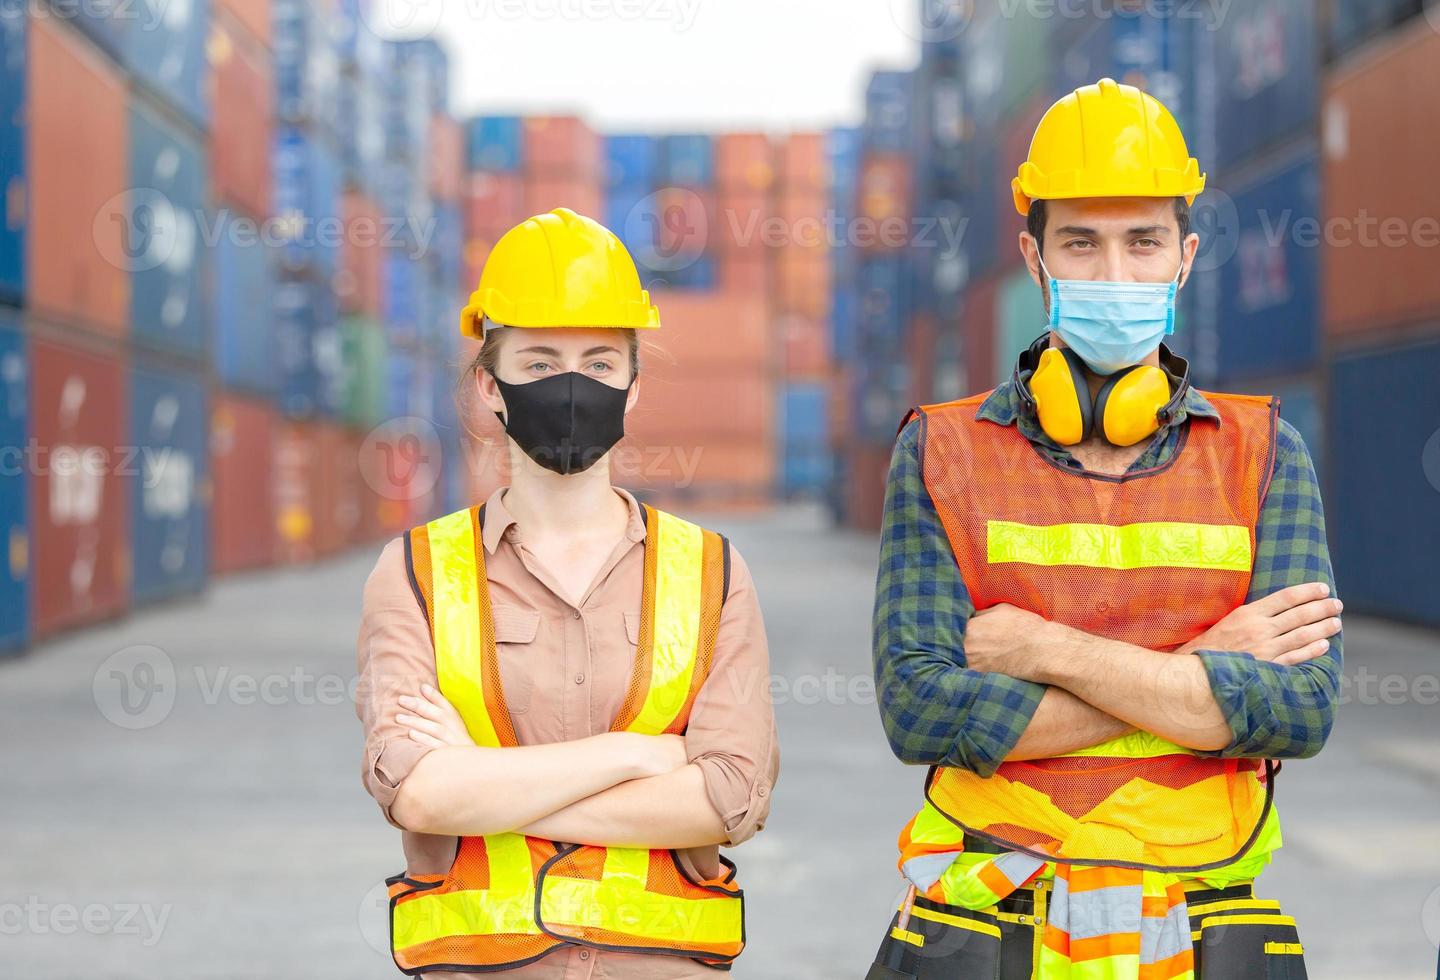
x=565, y=671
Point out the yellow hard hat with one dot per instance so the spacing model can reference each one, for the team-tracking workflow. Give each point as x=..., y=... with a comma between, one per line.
x=559, y=269
x=1107, y=140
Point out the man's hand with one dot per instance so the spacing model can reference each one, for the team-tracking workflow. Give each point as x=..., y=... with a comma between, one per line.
x=999, y=639
x=1287, y=627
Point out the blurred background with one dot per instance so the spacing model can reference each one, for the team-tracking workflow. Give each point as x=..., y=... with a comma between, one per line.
x=236, y=237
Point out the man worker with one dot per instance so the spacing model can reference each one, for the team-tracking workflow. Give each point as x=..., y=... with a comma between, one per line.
x=1104, y=609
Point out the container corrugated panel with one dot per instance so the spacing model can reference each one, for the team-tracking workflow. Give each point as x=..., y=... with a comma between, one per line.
x=1019, y=319
x=631, y=159
x=242, y=514
x=633, y=213
x=244, y=315
x=1381, y=224
x=842, y=155
x=744, y=162
x=243, y=83
x=79, y=412
x=307, y=70
x=12, y=153
x=1014, y=148
x=687, y=160
x=806, y=459
x=308, y=357
x=983, y=43
x=364, y=349
x=78, y=173
x=557, y=146
x=170, y=485
x=401, y=306
x=495, y=143
x=884, y=305
x=937, y=255
x=341, y=490
x=741, y=222
x=167, y=173
x=307, y=198
x=723, y=331
x=1268, y=77
x=166, y=52
x=980, y=204
x=889, y=100
x=1268, y=316
x=494, y=203
x=295, y=491
x=404, y=105
x=14, y=487
x=1381, y=509
x=843, y=328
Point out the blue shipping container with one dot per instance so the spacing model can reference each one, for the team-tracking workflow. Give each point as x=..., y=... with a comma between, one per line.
x=307, y=199
x=842, y=150
x=888, y=103
x=688, y=160
x=308, y=355
x=169, y=517
x=495, y=143
x=631, y=160
x=884, y=305
x=401, y=303
x=1384, y=504
x=1268, y=314
x=361, y=136
x=98, y=21
x=168, y=185
x=12, y=153
x=881, y=397
x=806, y=461
x=14, y=494
x=244, y=314
x=400, y=389
x=165, y=48
x=1267, y=75
x=844, y=336
x=307, y=69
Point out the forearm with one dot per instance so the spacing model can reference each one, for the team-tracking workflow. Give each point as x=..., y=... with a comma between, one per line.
x=671, y=810
x=1166, y=694
x=472, y=791
x=1064, y=723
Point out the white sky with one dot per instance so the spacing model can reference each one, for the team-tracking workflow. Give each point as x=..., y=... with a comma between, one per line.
x=663, y=65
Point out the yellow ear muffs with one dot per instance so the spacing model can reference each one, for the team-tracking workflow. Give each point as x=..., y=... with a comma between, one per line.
x=1129, y=402
x=1062, y=396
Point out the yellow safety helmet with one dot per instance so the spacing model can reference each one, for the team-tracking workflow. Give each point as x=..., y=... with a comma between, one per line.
x=559, y=269
x=1107, y=140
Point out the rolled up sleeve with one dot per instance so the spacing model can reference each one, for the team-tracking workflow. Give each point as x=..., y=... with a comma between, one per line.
x=394, y=656
x=731, y=734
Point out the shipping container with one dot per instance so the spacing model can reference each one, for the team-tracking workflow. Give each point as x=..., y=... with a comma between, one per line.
x=1350, y=23
x=693, y=473
x=561, y=146
x=242, y=85
x=883, y=305
x=711, y=333
x=1267, y=74
x=1019, y=318
x=242, y=509
x=977, y=329
x=169, y=483
x=981, y=203
x=79, y=496
x=494, y=203
x=404, y=106
x=698, y=274
x=1268, y=302
x=983, y=46
x=743, y=222
x=881, y=396
x=884, y=201
x=12, y=153
x=920, y=349
x=244, y=314
x=358, y=48
x=844, y=325
x=631, y=160
x=495, y=143
x=98, y=21
x=579, y=194
x=295, y=490
x=687, y=160
x=1014, y=150
x=445, y=159
x=363, y=351
x=401, y=304
x=746, y=272
x=165, y=51
x=806, y=347
x=744, y=162
x=806, y=460
x=167, y=255
x=77, y=160
x=802, y=283
x=1384, y=485
x=308, y=359
x=307, y=69
x=340, y=490
x=1028, y=56
x=14, y=486
x=360, y=124
x=803, y=163
x=1380, y=226
x=428, y=57
x=359, y=284
x=253, y=14
x=307, y=200
x=888, y=103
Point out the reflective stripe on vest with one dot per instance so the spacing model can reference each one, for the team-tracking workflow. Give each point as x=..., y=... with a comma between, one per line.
x=510, y=899
x=1151, y=558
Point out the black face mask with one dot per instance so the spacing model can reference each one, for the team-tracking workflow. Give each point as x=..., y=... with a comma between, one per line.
x=565, y=422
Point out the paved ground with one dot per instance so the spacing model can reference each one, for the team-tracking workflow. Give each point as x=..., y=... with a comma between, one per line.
x=222, y=832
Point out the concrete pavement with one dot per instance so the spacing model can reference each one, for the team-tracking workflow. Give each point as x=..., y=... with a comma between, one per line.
x=181, y=794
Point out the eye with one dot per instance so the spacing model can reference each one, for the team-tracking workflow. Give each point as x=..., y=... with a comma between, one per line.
x=602, y=367
x=538, y=367
x=1079, y=243
x=1148, y=243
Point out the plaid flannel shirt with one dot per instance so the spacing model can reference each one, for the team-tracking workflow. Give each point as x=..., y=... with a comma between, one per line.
x=936, y=710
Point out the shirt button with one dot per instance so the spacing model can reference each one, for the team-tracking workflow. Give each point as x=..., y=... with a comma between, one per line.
x=577, y=614
x=579, y=678
x=584, y=954
x=763, y=791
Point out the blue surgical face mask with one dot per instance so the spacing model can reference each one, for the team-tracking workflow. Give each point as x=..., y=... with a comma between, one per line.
x=1112, y=325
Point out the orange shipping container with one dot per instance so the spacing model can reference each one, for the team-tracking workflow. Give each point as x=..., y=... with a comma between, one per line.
x=803, y=164
x=254, y=14
x=494, y=203
x=710, y=331
x=884, y=198
x=807, y=348
x=358, y=286
x=446, y=159
x=744, y=162
x=920, y=351
x=561, y=146
x=747, y=272
x=842, y=405
x=744, y=222
x=805, y=218
x=802, y=284
x=242, y=87
x=681, y=406
x=338, y=501
x=242, y=514
x=77, y=162
x=581, y=195
x=1380, y=215
x=295, y=490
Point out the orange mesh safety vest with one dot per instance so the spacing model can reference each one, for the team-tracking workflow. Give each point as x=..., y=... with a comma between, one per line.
x=1152, y=558
x=509, y=899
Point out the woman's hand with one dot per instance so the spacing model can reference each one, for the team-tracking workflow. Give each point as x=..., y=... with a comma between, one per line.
x=432, y=720
x=653, y=755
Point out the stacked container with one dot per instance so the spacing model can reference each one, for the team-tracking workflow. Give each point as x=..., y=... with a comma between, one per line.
x=744, y=207
x=14, y=364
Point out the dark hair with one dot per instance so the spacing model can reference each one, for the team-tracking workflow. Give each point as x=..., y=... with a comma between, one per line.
x=1035, y=220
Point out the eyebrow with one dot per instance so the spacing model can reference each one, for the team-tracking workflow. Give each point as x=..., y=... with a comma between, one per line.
x=1142, y=230
x=555, y=353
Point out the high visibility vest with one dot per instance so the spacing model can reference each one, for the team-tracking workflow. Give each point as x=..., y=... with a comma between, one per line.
x=509, y=899
x=1152, y=558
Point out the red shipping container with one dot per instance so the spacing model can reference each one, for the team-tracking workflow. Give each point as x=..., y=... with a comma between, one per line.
x=679, y=406
x=744, y=222
x=865, y=486
x=242, y=513
x=339, y=500
x=359, y=286
x=842, y=405
x=295, y=490
x=494, y=203
x=884, y=200
x=744, y=162
x=710, y=331
x=581, y=195
x=802, y=283
x=920, y=351
x=79, y=411
x=807, y=348
x=477, y=250
x=745, y=272
x=446, y=159
x=978, y=327
x=77, y=161
x=253, y=14
x=687, y=222
x=803, y=163
x=561, y=146
x=242, y=84
x=1380, y=204
x=1014, y=149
